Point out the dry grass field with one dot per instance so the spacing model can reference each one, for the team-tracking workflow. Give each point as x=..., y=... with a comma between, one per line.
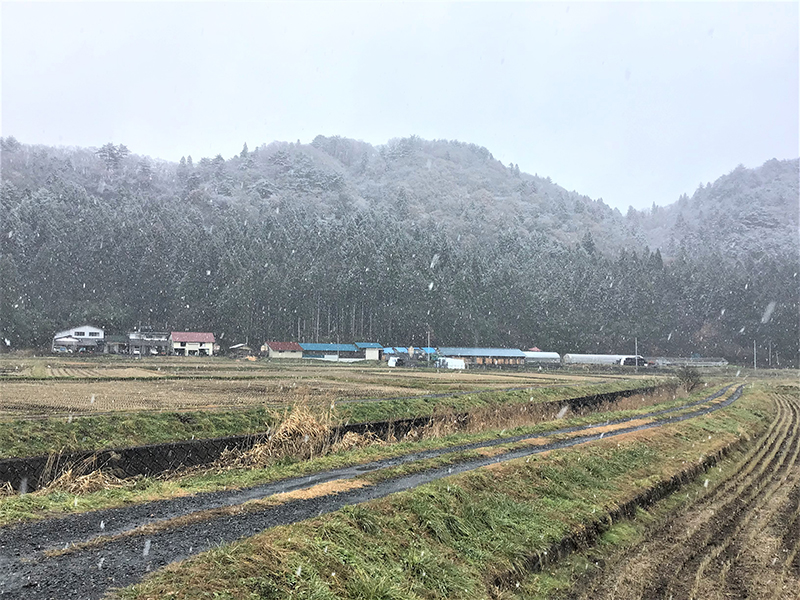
x=54, y=386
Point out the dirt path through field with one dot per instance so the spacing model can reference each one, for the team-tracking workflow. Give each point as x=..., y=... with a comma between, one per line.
x=740, y=541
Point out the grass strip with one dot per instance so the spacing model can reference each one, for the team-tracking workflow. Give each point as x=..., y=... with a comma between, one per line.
x=32, y=438
x=456, y=537
x=403, y=408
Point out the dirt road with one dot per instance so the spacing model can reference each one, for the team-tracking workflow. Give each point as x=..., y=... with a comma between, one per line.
x=113, y=550
x=740, y=541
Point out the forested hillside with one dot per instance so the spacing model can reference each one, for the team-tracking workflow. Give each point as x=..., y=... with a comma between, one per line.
x=748, y=214
x=342, y=240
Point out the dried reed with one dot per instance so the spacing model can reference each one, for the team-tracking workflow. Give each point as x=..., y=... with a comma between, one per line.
x=301, y=434
x=93, y=481
x=6, y=489
x=352, y=440
x=509, y=416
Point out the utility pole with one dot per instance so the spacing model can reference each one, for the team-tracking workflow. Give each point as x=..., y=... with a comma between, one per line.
x=428, y=351
x=755, y=367
x=636, y=353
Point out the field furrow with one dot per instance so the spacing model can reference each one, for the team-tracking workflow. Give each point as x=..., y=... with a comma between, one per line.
x=731, y=562
x=739, y=541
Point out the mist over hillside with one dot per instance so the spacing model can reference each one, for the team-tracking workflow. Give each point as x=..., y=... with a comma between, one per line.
x=342, y=240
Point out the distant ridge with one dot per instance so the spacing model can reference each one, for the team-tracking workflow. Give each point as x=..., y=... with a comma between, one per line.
x=339, y=239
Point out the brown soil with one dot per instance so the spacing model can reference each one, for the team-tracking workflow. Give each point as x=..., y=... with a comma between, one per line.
x=127, y=386
x=742, y=540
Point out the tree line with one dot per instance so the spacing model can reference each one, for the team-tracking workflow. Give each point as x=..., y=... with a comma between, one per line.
x=116, y=240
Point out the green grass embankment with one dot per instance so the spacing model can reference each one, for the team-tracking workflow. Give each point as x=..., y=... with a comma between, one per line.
x=43, y=436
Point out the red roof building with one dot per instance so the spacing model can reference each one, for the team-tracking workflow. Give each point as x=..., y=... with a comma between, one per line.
x=285, y=346
x=192, y=336
x=191, y=343
x=284, y=350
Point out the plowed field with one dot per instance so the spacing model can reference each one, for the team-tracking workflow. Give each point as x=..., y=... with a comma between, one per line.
x=53, y=387
x=740, y=541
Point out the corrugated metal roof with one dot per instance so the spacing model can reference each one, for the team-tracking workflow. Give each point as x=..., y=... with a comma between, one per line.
x=489, y=352
x=284, y=346
x=87, y=327
x=429, y=350
x=363, y=345
x=388, y=350
x=192, y=336
x=328, y=347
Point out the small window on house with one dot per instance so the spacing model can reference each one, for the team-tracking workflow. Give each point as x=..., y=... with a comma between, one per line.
x=80, y=334
x=201, y=344
x=94, y=333
x=183, y=344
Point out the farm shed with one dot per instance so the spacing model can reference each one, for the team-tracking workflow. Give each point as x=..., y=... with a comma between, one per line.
x=371, y=350
x=603, y=359
x=284, y=350
x=191, y=343
x=665, y=361
x=425, y=353
x=148, y=343
x=331, y=351
x=116, y=344
x=239, y=350
x=593, y=359
x=86, y=337
x=398, y=351
x=485, y=356
x=537, y=357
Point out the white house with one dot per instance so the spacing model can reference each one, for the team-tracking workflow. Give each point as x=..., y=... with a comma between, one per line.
x=191, y=343
x=85, y=337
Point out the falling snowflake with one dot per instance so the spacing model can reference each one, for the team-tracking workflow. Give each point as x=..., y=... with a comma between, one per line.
x=765, y=318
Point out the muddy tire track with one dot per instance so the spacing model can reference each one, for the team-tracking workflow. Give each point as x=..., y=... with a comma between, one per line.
x=88, y=572
x=739, y=541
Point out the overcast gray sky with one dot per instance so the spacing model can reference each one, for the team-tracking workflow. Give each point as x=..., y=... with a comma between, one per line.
x=634, y=103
